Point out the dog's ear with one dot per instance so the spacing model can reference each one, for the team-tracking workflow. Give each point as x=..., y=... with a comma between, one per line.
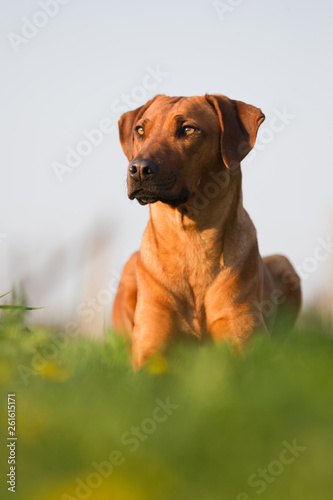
x=239, y=124
x=126, y=124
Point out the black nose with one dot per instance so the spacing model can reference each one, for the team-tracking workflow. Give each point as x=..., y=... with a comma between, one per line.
x=140, y=170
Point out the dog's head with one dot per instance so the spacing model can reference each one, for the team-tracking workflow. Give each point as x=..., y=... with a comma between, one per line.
x=173, y=143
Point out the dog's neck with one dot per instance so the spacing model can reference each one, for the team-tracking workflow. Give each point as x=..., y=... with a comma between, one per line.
x=210, y=211
x=208, y=239
x=186, y=238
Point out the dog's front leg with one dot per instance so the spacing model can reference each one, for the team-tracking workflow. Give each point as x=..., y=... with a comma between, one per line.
x=237, y=324
x=153, y=327
x=155, y=320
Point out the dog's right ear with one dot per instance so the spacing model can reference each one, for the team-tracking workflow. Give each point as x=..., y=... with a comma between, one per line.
x=126, y=124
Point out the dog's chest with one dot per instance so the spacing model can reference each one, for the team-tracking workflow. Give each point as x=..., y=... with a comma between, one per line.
x=196, y=268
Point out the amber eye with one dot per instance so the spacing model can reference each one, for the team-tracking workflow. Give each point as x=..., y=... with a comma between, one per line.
x=139, y=130
x=187, y=130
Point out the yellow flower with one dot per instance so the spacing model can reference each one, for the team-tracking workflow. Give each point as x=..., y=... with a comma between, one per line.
x=157, y=365
x=54, y=372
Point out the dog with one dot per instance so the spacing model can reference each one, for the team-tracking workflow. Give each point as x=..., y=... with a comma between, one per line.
x=198, y=272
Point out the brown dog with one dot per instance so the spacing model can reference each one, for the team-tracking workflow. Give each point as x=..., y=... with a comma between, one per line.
x=198, y=271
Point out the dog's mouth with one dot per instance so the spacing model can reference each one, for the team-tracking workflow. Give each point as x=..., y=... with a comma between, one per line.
x=145, y=197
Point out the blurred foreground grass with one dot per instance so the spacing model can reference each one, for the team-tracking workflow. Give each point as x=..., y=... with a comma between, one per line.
x=212, y=425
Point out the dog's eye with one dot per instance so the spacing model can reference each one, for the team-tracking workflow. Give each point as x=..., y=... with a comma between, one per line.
x=187, y=130
x=139, y=130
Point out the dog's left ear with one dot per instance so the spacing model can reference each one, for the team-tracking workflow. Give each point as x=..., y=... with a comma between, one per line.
x=239, y=124
x=126, y=124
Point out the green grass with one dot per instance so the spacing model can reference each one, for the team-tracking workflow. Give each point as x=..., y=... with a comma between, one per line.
x=231, y=416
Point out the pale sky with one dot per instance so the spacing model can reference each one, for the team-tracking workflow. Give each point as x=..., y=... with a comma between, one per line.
x=88, y=61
